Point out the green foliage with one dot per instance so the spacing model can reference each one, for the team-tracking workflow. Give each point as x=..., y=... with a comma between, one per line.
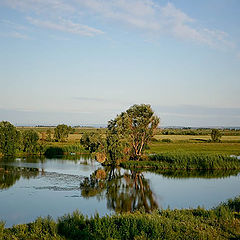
x=49, y=135
x=92, y=141
x=218, y=223
x=61, y=132
x=53, y=151
x=136, y=126
x=198, y=131
x=116, y=148
x=42, y=228
x=30, y=141
x=167, y=140
x=73, y=226
x=186, y=161
x=232, y=204
x=74, y=148
x=216, y=135
x=9, y=138
x=2, y=224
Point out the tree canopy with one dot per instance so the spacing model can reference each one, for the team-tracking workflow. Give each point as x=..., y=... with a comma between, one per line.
x=136, y=127
x=30, y=141
x=9, y=138
x=216, y=135
x=92, y=141
x=61, y=132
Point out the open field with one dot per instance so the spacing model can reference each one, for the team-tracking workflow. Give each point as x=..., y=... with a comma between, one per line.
x=218, y=148
x=186, y=143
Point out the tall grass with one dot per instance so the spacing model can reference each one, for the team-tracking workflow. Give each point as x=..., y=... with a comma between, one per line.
x=186, y=161
x=58, y=150
x=221, y=222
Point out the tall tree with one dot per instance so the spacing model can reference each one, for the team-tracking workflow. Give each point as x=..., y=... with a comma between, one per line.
x=137, y=126
x=49, y=135
x=9, y=138
x=216, y=135
x=61, y=132
x=30, y=141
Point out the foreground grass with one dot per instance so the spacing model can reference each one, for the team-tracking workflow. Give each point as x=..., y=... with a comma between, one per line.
x=220, y=223
x=185, y=161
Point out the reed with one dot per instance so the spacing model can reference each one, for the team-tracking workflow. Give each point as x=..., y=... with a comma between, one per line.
x=186, y=161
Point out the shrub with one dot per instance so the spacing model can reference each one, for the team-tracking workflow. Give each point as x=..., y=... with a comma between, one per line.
x=167, y=140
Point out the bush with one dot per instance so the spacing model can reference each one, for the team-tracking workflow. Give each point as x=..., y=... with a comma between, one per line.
x=216, y=135
x=167, y=140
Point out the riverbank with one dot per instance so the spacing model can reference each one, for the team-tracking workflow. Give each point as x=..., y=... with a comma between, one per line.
x=185, y=161
x=222, y=222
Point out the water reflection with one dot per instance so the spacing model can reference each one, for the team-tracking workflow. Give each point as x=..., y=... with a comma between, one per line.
x=125, y=191
x=79, y=182
x=129, y=190
x=13, y=169
x=208, y=174
x=10, y=175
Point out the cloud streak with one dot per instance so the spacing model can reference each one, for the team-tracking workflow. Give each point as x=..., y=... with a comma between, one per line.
x=146, y=16
x=66, y=26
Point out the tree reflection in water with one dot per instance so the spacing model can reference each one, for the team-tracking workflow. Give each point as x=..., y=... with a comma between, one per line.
x=9, y=175
x=125, y=191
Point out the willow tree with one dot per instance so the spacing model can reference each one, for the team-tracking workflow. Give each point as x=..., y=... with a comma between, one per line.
x=136, y=126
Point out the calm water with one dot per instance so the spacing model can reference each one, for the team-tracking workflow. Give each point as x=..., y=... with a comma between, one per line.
x=35, y=187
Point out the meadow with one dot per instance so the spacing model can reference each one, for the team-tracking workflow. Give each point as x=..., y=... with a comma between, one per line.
x=161, y=143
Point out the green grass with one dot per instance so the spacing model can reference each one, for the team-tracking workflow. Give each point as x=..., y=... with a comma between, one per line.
x=216, y=148
x=185, y=161
x=221, y=222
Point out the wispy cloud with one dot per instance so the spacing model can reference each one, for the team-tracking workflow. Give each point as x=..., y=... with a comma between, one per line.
x=41, y=6
x=66, y=26
x=151, y=17
x=17, y=35
x=146, y=16
x=10, y=29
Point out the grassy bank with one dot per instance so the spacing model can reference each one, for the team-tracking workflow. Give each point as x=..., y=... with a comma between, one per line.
x=223, y=222
x=185, y=161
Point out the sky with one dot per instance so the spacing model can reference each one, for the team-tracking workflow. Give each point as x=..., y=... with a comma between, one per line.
x=82, y=62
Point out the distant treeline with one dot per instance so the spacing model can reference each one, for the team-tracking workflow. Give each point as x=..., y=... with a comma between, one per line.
x=200, y=131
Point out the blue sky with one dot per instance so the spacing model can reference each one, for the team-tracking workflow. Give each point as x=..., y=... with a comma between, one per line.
x=82, y=62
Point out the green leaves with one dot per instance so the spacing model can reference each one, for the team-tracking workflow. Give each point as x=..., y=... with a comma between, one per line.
x=61, y=132
x=135, y=127
x=30, y=141
x=216, y=135
x=9, y=138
